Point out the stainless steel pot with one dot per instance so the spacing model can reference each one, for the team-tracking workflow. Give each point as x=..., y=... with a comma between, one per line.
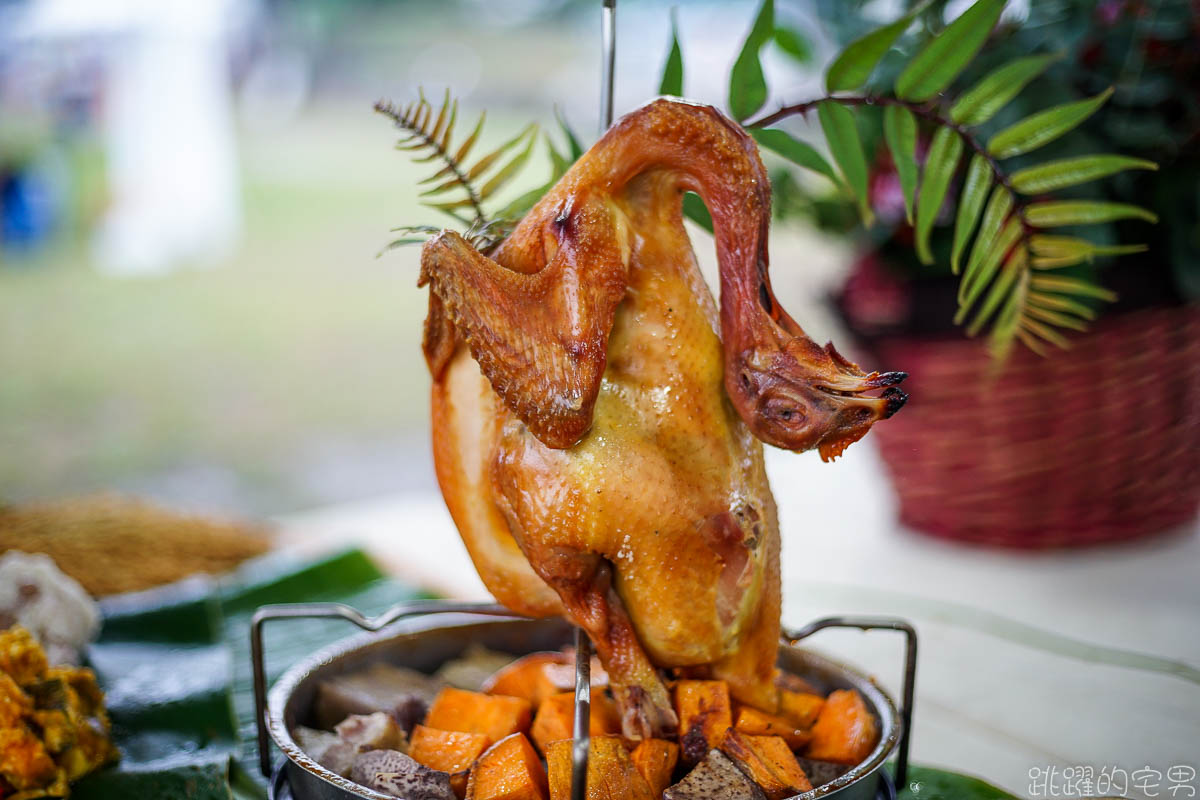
x=424, y=634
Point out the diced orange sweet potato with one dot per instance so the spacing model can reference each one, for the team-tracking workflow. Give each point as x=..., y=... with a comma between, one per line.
x=556, y=718
x=845, y=732
x=527, y=677
x=656, y=760
x=611, y=774
x=769, y=762
x=753, y=722
x=800, y=708
x=448, y=751
x=495, y=716
x=704, y=716
x=509, y=770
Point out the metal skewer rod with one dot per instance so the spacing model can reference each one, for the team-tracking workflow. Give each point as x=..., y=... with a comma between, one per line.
x=583, y=703
x=608, y=64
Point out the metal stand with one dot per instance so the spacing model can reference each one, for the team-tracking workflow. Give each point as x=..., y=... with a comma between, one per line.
x=910, y=669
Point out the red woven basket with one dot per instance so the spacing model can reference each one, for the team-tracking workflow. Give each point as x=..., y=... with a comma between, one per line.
x=1095, y=444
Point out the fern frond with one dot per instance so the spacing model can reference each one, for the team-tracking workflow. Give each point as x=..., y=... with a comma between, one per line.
x=1000, y=218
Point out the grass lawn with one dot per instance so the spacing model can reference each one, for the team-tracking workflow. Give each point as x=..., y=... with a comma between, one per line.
x=287, y=377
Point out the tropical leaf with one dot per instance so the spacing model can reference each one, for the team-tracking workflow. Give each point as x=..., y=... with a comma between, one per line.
x=900, y=131
x=1066, y=172
x=997, y=89
x=1056, y=213
x=796, y=151
x=940, y=164
x=747, y=84
x=1044, y=127
x=795, y=45
x=993, y=217
x=858, y=60
x=1054, y=318
x=1057, y=303
x=1054, y=252
x=672, y=77
x=940, y=61
x=1070, y=286
x=974, y=193
x=1033, y=327
x=841, y=134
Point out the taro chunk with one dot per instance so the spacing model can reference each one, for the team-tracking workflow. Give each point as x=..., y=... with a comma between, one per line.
x=376, y=731
x=715, y=776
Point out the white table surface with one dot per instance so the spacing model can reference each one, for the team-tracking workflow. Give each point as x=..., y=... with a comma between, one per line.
x=1027, y=661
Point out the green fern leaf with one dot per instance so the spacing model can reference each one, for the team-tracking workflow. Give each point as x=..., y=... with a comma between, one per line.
x=1057, y=303
x=464, y=149
x=796, y=151
x=940, y=165
x=974, y=282
x=486, y=161
x=858, y=60
x=1005, y=330
x=443, y=116
x=1056, y=213
x=900, y=131
x=1073, y=286
x=672, y=77
x=505, y=173
x=974, y=193
x=1054, y=318
x=449, y=131
x=695, y=210
x=1066, y=172
x=1032, y=326
x=841, y=134
x=1044, y=127
x=997, y=89
x=574, y=149
x=1014, y=265
x=747, y=84
x=940, y=61
x=994, y=215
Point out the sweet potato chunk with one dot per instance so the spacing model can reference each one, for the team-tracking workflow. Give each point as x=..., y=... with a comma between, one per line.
x=656, y=760
x=753, y=722
x=845, y=731
x=556, y=718
x=704, y=716
x=527, y=677
x=800, y=708
x=449, y=751
x=509, y=770
x=495, y=716
x=769, y=762
x=611, y=774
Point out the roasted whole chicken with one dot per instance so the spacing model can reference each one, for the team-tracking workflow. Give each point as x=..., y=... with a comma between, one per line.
x=597, y=422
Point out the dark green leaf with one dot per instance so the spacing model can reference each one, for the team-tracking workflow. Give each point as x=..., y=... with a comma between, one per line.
x=1044, y=127
x=521, y=205
x=558, y=162
x=855, y=63
x=796, y=151
x=747, y=85
x=841, y=134
x=997, y=89
x=900, y=130
x=975, y=191
x=695, y=210
x=935, y=180
x=1056, y=213
x=672, y=77
x=1001, y=287
x=940, y=61
x=927, y=783
x=993, y=217
x=794, y=44
x=1073, y=171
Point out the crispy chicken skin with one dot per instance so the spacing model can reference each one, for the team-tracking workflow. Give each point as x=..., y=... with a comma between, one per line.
x=596, y=420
